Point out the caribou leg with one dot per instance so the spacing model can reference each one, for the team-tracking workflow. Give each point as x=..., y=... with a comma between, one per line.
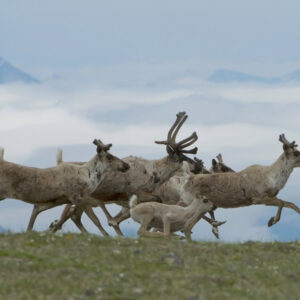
x=110, y=220
x=189, y=228
x=70, y=212
x=76, y=218
x=57, y=224
x=123, y=215
x=215, y=229
x=143, y=231
x=280, y=204
x=75, y=214
x=211, y=221
x=90, y=213
x=37, y=209
x=86, y=202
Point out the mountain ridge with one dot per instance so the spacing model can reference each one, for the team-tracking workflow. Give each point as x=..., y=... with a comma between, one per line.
x=227, y=76
x=9, y=74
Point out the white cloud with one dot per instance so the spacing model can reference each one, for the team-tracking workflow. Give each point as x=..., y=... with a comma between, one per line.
x=40, y=128
x=262, y=93
x=24, y=131
x=46, y=116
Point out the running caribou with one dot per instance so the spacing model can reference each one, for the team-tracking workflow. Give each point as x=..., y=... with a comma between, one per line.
x=171, y=191
x=164, y=191
x=143, y=178
x=166, y=218
x=254, y=185
x=65, y=183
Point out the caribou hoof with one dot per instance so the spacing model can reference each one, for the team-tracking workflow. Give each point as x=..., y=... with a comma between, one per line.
x=215, y=231
x=216, y=223
x=272, y=222
x=177, y=236
x=53, y=226
x=112, y=222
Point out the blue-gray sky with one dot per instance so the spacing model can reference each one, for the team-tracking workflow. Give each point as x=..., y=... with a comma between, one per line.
x=73, y=33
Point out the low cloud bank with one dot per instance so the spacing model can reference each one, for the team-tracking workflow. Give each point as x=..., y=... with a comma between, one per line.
x=241, y=122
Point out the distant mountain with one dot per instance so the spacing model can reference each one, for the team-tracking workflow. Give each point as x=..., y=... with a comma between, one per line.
x=9, y=73
x=225, y=76
x=2, y=229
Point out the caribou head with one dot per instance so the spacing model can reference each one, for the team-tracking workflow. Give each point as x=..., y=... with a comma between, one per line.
x=290, y=150
x=198, y=167
x=107, y=159
x=219, y=166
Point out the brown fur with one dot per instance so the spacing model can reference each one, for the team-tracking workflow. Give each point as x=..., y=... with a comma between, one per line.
x=171, y=191
x=254, y=185
x=165, y=192
x=65, y=183
x=142, y=179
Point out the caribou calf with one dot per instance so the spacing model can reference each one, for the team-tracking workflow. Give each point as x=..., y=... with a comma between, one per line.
x=167, y=218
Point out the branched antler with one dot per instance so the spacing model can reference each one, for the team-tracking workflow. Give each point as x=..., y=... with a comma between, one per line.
x=285, y=142
x=101, y=146
x=172, y=145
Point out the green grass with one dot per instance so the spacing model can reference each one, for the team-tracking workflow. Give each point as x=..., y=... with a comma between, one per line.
x=74, y=266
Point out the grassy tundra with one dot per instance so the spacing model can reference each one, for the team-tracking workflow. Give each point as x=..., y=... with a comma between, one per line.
x=72, y=266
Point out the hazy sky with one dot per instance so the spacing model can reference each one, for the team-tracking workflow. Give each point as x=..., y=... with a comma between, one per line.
x=125, y=68
x=70, y=33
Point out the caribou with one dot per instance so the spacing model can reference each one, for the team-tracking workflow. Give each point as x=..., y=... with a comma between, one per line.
x=143, y=178
x=165, y=192
x=167, y=218
x=252, y=186
x=65, y=183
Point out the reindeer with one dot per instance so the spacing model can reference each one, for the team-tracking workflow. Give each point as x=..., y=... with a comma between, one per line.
x=167, y=218
x=142, y=179
x=65, y=183
x=252, y=186
x=38, y=208
x=166, y=193
x=171, y=191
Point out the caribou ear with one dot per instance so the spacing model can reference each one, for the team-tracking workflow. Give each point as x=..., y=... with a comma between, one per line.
x=107, y=147
x=286, y=144
x=214, y=162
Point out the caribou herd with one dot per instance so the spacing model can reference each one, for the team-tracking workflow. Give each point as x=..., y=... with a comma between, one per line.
x=166, y=195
